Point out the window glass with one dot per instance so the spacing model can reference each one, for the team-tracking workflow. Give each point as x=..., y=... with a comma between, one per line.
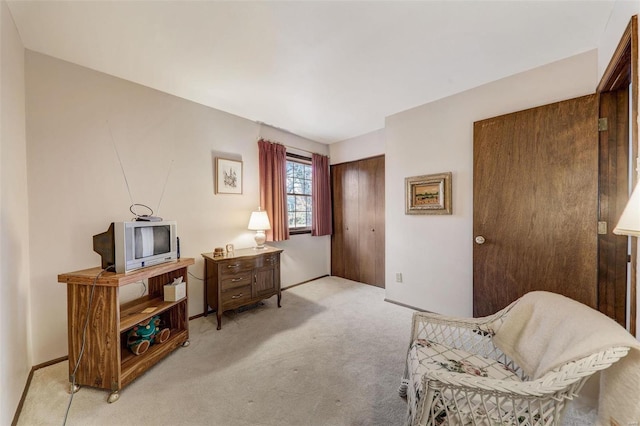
x=299, y=194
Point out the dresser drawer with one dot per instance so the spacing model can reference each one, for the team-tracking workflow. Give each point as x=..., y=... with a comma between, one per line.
x=267, y=260
x=235, y=297
x=236, y=280
x=234, y=266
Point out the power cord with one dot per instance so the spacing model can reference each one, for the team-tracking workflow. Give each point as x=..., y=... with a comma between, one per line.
x=84, y=338
x=197, y=278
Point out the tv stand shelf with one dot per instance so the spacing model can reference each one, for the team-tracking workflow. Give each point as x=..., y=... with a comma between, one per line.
x=107, y=362
x=133, y=313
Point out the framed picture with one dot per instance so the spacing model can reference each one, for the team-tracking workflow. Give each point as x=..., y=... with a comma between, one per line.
x=428, y=194
x=228, y=176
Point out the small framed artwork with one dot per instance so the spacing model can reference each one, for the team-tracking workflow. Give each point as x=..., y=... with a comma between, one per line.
x=428, y=194
x=228, y=176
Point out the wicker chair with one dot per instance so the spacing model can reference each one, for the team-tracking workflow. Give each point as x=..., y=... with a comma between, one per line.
x=455, y=375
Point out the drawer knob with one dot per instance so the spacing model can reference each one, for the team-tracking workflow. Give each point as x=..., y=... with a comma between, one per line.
x=235, y=280
x=233, y=265
x=237, y=296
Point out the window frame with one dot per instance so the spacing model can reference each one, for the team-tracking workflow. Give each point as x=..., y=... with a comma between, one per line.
x=300, y=159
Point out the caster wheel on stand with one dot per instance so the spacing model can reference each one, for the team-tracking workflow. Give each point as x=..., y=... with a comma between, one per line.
x=113, y=397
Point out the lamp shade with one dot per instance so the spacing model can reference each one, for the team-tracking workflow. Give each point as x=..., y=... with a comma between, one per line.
x=629, y=223
x=259, y=221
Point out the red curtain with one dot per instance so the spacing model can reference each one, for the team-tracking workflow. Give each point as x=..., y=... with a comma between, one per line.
x=321, y=195
x=272, y=160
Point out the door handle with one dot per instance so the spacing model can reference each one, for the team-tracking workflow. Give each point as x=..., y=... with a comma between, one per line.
x=480, y=240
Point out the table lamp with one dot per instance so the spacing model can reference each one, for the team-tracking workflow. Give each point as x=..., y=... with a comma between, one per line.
x=629, y=223
x=259, y=222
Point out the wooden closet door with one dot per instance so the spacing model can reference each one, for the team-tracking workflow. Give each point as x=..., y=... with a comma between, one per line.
x=351, y=216
x=337, y=238
x=371, y=218
x=357, y=245
x=344, y=241
x=379, y=185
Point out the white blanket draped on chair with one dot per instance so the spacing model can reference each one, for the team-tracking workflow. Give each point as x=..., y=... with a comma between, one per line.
x=545, y=330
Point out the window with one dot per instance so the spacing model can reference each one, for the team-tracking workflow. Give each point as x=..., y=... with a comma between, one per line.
x=299, y=193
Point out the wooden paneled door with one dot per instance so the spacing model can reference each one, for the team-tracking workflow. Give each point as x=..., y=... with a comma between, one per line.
x=357, y=243
x=536, y=204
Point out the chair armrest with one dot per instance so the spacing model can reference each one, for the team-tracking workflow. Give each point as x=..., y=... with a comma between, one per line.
x=566, y=379
x=442, y=380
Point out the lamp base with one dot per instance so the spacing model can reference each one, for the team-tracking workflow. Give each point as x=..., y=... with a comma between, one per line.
x=260, y=238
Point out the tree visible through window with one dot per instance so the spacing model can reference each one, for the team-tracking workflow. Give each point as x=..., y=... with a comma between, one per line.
x=299, y=194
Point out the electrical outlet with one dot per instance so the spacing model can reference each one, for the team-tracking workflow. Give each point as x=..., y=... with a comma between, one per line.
x=398, y=277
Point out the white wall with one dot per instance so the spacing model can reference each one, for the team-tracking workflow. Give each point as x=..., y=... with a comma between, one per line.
x=15, y=355
x=76, y=118
x=434, y=253
x=364, y=146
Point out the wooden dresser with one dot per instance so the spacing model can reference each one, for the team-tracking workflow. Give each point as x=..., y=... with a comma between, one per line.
x=243, y=278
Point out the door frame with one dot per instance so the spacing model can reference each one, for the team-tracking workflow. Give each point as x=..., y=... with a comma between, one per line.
x=621, y=71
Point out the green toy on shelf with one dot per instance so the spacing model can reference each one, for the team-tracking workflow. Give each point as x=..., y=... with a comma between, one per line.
x=143, y=335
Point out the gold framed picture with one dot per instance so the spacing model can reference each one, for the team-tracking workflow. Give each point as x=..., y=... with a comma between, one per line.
x=428, y=194
x=228, y=176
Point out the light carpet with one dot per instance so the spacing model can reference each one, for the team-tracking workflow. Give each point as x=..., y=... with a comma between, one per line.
x=332, y=355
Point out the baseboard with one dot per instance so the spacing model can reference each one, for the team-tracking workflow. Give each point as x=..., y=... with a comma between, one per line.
x=304, y=282
x=404, y=305
x=212, y=311
x=48, y=363
x=16, y=416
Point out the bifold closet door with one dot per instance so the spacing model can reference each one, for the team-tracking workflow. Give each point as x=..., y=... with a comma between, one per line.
x=357, y=245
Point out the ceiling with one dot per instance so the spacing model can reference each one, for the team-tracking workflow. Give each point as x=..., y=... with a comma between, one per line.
x=327, y=70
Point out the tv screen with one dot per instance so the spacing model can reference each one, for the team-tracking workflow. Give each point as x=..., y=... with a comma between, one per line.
x=150, y=241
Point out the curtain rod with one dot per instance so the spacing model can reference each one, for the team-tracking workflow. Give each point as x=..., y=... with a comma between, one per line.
x=304, y=150
x=296, y=148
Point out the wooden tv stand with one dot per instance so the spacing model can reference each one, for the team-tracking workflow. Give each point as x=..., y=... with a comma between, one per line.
x=107, y=362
